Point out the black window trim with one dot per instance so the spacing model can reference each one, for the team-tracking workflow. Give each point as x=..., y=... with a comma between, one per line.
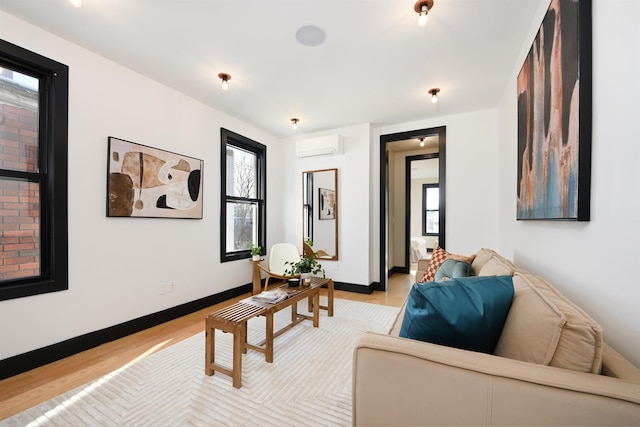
x=53, y=144
x=424, y=208
x=228, y=137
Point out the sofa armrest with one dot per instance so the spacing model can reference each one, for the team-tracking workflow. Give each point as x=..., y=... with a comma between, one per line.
x=397, y=381
x=615, y=365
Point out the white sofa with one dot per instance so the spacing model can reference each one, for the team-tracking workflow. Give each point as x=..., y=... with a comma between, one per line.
x=554, y=369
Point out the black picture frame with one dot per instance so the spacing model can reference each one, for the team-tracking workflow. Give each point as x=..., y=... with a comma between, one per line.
x=554, y=97
x=327, y=201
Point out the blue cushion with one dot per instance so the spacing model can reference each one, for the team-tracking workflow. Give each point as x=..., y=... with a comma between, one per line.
x=452, y=268
x=466, y=313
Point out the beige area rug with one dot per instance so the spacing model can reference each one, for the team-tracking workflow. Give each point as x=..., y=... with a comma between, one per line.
x=308, y=383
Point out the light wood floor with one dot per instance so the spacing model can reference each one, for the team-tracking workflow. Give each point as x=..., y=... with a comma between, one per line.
x=38, y=385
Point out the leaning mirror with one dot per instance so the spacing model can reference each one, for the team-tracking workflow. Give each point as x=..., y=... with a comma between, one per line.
x=320, y=211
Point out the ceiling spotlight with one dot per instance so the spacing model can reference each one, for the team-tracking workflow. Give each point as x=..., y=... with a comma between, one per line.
x=434, y=94
x=422, y=8
x=76, y=3
x=294, y=123
x=421, y=142
x=225, y=80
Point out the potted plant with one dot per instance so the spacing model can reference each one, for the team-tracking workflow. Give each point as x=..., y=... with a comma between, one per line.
x=255, y=252
x=306, y=267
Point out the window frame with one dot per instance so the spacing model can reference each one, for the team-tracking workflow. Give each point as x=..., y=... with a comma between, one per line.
x=227, y=138
x=52, y=173
x=425, y=187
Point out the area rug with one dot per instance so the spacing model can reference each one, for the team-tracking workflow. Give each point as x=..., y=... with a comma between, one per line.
x=308, y=383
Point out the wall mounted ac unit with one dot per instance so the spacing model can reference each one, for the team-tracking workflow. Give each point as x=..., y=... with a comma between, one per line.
x=328, y=145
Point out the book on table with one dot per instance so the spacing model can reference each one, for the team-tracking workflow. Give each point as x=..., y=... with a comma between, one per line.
x=275, y=296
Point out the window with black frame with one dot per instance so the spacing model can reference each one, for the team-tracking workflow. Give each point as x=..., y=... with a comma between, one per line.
x=243, y=213
x=430, y=209
x=33, y=173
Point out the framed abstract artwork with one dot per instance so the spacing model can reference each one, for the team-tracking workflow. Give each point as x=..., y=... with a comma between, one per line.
x=554, y=117
x=327, y=203
x=151, y=183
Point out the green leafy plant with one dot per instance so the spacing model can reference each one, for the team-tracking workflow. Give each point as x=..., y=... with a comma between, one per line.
x=307, y=264
x=255, y=250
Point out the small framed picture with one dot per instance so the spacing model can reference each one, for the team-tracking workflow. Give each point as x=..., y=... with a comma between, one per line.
x=327, y=204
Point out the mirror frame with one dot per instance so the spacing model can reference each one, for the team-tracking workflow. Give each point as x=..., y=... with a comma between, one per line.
x=320, y=255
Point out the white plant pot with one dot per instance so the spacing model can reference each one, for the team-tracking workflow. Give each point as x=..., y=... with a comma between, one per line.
x=255, y=257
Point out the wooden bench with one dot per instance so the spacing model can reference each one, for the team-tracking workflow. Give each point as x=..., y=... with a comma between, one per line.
x=234, y=319
x=230, y=319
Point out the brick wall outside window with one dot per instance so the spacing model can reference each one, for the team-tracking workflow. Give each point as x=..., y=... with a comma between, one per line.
x=19, y=199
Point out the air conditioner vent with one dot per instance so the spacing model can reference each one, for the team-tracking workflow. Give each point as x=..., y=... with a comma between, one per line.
x=328, y=145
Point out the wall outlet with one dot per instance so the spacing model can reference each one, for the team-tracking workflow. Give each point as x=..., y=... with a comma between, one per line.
x=164, y=288
x=172, y=286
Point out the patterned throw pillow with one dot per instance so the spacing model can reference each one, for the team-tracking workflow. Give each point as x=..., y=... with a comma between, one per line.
x=437, y=258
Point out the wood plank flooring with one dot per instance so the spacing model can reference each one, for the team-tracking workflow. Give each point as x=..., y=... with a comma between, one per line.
x=30, y=388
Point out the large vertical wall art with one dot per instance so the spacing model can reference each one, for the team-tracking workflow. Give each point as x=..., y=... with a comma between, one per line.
x=554, y=117
x=147, y=182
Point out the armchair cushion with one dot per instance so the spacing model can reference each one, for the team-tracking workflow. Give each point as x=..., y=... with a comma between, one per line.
x=466, y=313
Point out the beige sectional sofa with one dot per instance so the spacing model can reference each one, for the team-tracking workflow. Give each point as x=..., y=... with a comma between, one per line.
x=550, y=367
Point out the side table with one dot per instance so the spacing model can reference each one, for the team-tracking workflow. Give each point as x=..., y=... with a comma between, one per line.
x=256, y=280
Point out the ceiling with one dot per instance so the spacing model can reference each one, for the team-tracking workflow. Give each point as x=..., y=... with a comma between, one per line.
x=430, y=144
x=375, y=66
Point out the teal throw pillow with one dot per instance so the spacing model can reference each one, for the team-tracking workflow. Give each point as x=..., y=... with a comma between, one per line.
x=466, y=313
x=452, y=268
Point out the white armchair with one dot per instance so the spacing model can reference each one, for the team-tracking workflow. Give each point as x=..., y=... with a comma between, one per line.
x=280, y=254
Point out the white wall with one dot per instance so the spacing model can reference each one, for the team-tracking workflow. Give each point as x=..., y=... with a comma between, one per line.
x=116, y=265
x=353, y=200
x=471, y=185
x=594, y=263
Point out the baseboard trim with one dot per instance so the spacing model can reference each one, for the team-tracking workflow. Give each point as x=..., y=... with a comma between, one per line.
x=33, y=359
x=352, y=287
x=26, y=361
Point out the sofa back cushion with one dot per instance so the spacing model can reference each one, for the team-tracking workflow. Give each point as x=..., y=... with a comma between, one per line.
x=544, y=327
x=497, y=266
x=482, y=256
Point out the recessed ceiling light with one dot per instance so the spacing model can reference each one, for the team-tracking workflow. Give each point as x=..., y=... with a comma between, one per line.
x=310, y=35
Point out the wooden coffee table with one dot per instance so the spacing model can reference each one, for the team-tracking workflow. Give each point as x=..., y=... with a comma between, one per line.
x=234, y=319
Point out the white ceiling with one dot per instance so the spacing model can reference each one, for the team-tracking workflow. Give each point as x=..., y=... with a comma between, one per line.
x=376, y=65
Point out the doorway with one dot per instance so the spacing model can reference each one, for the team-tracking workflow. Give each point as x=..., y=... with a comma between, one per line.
x=422, y=205
x=434, y=140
